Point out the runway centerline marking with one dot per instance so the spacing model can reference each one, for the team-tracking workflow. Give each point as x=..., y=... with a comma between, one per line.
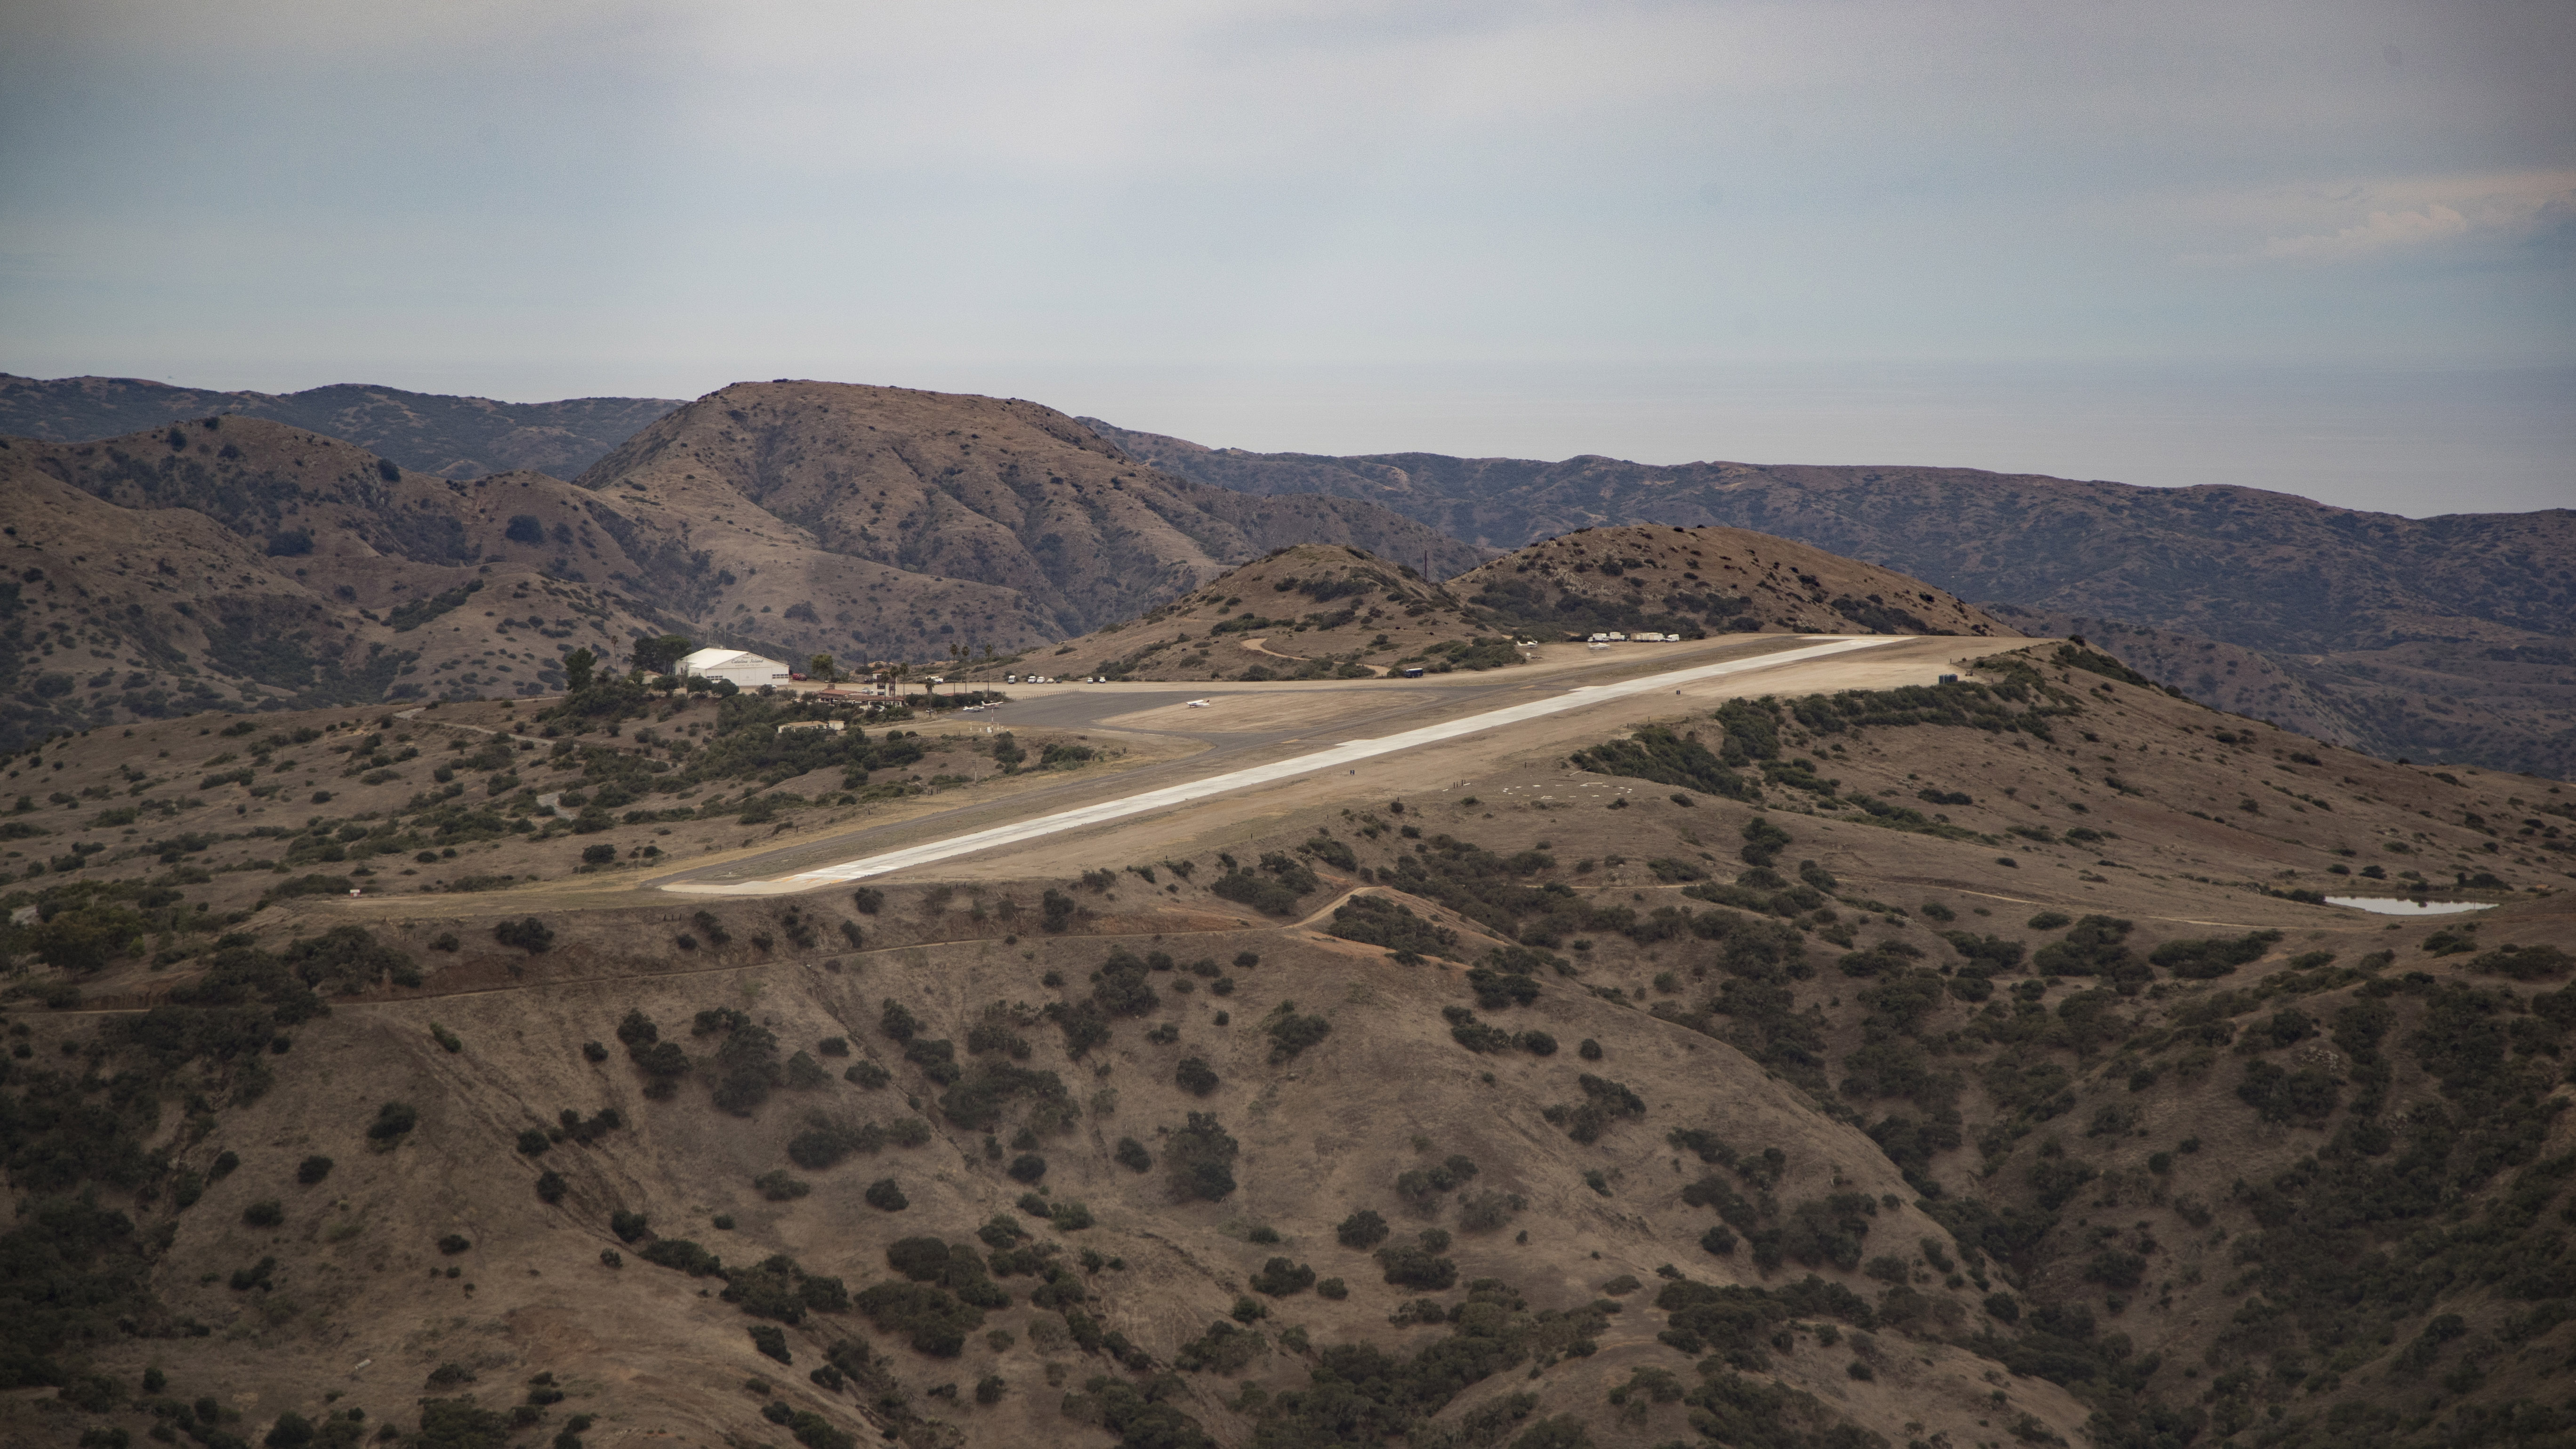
x=1345, y=754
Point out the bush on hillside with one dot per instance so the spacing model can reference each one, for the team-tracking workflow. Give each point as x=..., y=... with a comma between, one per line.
x=1200, y=1160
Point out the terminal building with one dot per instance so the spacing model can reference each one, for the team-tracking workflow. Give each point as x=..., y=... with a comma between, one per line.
x=746, y=670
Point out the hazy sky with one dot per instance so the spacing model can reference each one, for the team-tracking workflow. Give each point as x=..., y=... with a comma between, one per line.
x=2106, y=239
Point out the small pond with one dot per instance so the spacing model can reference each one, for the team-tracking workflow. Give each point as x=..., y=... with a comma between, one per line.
x=2401, y=906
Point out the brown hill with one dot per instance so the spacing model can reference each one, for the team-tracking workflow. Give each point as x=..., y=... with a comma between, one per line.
x=251, y=562
x=1715, y=580
x=1751, y=1095
x=1316, y=611
x=1319, y=612
x=454, y=437
x=812, y=513
x=2406, y=631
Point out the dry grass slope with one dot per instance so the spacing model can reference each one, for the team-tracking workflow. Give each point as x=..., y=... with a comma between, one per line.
x=1961, y=1065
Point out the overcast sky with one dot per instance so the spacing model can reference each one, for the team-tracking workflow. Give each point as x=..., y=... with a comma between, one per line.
x=2306, y=245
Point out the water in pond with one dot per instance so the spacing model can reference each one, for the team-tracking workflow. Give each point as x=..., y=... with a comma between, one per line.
x=2398, y=906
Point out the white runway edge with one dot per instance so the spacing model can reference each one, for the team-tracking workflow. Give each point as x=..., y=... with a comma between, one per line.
x=1337, y=757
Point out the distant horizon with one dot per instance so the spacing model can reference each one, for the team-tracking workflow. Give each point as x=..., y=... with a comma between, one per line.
x=2374, y=437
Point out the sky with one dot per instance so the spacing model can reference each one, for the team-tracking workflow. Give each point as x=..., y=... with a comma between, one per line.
x=2328, y=247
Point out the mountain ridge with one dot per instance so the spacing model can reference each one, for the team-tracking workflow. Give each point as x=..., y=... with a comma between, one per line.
x=451, y=436
x=2344, y=601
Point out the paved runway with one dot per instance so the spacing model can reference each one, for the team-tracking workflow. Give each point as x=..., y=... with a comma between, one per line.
x=779, y=872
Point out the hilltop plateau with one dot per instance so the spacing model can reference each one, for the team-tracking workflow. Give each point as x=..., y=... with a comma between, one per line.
x=1936, y=1065
x=2444, y=637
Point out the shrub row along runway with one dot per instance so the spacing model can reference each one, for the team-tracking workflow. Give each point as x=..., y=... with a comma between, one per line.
x=1309, y=763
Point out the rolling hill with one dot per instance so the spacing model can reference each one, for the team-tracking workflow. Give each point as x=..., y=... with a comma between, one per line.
x=1970, y=1064
x=1336, y=612
x=249, y=563
x=2441, y=638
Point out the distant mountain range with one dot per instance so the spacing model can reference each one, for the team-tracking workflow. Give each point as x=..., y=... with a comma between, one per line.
x=2448, y=638
x=453, y=437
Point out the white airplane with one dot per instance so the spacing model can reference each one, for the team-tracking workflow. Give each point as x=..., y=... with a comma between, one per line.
x=1198, y=704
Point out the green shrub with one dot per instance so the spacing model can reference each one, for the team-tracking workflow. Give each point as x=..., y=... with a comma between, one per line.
x=312, y=1170
x=928, y=1317
x=896, y=1021
x=1280, y=1277
x=533, y=1140
x=1415, y=1267
x=886, y=1196
x=2525, y=963
x=977, y=1099
x=1199, y=1159
x=826, y=1141
x=1291, y=1034
x=745, y=1063
x=626, y=1225
x=2208, y=959
x=1194, y=1076
x=551, y=1186
x=454, y=1243
x=1223, y=1349
x=1363, y=1230
x=1376, y=921
x=682, y=1255
x=771, y=1341
x=779, y=1185
x=268, y=1212
x=530, y=935
x=1122, y=986
x=1131, y=1154
x=458, y=1424
x=1027, y=1167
